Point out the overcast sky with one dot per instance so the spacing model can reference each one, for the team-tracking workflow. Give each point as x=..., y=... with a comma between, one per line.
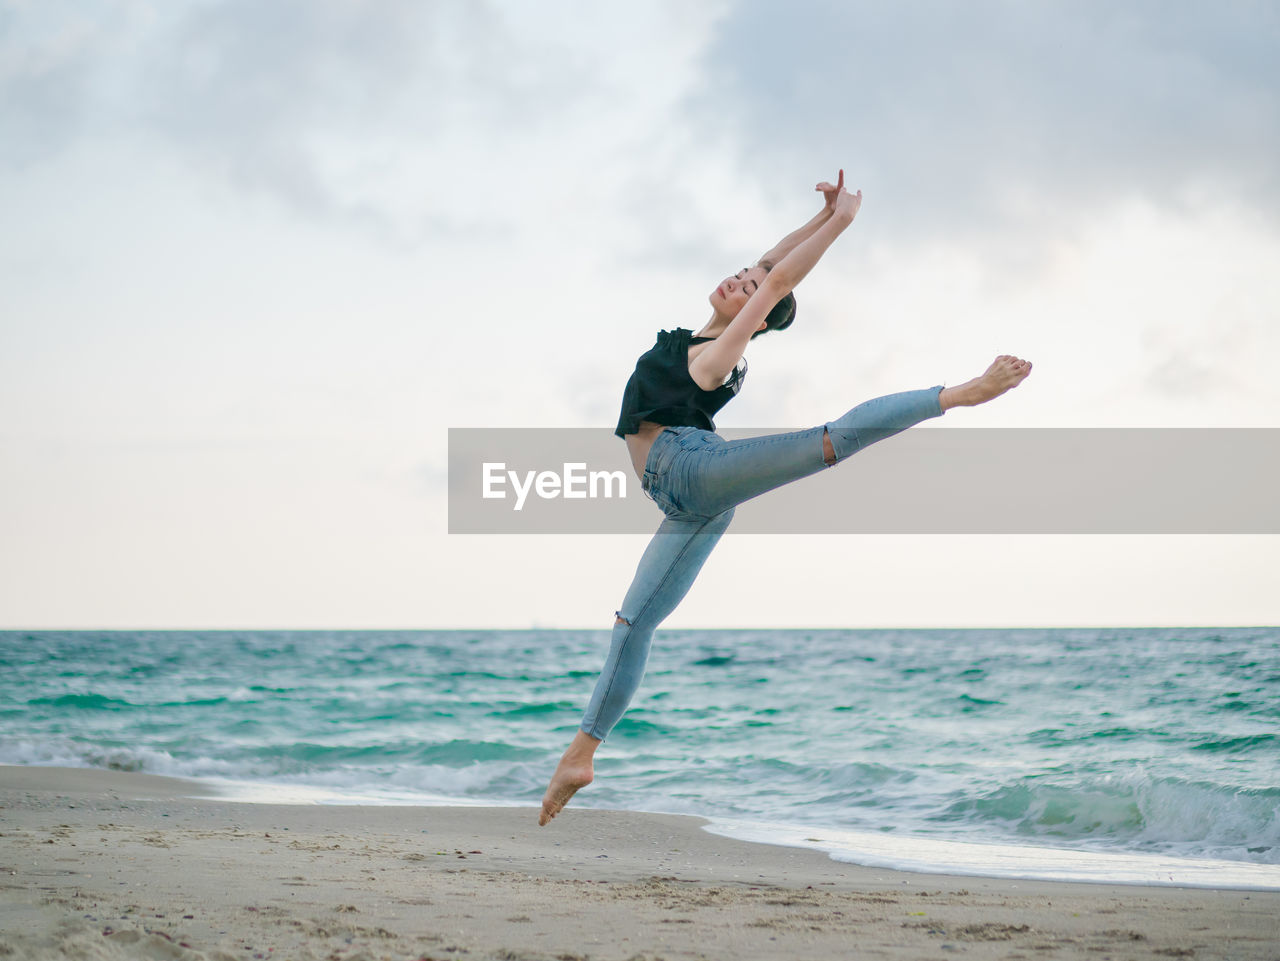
x=256, y=257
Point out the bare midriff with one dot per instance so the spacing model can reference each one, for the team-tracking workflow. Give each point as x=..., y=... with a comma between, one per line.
x=638, y=445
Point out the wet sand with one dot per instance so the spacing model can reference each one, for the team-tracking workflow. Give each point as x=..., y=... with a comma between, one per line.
x=103, y=864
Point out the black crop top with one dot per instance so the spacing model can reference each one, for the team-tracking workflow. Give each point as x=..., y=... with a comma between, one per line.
x=661, y=389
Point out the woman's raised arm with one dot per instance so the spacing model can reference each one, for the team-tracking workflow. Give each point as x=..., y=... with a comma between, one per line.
x=792, y=240
x=791, y=269
x=718, y=358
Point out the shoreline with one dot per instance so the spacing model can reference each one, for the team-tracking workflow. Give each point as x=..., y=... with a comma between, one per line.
x=906, y=853
x=131, y=863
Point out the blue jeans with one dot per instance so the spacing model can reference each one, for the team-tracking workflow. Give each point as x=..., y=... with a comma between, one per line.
x=697, y=478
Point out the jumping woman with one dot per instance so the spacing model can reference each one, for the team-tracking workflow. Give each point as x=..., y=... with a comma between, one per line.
x=697, y=478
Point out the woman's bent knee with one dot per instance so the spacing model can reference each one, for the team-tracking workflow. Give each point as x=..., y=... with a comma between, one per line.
x=828, y=452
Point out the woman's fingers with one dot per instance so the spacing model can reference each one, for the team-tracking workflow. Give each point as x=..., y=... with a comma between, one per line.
x=827, y=185
x=831, y=192
x=849, y=202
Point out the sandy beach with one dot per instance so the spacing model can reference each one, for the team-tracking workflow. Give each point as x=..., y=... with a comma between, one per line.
x=103, y=864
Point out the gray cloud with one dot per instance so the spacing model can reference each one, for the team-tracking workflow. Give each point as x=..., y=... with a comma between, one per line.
x=288, y=98
x=46, y=80
x=268, y=94
x=953, y=116
x=993, y=112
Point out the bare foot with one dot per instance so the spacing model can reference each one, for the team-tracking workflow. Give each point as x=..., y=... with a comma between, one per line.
x=564, y=785
x=574, y=771
x=1005, y=373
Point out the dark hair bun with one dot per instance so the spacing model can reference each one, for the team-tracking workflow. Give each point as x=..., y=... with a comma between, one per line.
x=781, y=317
x=789, y=303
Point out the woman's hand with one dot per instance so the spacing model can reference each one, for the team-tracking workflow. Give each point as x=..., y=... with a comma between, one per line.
x=830, y=193
x=848, y=204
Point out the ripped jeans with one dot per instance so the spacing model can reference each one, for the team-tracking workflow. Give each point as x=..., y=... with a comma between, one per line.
x=697, y=478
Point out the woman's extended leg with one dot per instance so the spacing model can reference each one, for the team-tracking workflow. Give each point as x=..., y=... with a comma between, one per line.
x=724, y=473
x=666, y=571
x=720, y=474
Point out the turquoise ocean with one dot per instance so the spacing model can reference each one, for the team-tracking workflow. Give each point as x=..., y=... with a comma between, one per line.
x=1129, y=755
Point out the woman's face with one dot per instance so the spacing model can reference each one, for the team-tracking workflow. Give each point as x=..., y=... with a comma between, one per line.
x=734, y=292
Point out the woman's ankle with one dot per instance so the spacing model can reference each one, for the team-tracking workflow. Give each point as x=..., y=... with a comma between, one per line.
x=583, y=745
x=960, y=396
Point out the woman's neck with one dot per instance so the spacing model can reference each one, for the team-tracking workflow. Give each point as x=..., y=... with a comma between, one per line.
x=715, y=326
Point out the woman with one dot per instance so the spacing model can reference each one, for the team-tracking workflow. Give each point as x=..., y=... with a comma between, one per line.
x=697, y=478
